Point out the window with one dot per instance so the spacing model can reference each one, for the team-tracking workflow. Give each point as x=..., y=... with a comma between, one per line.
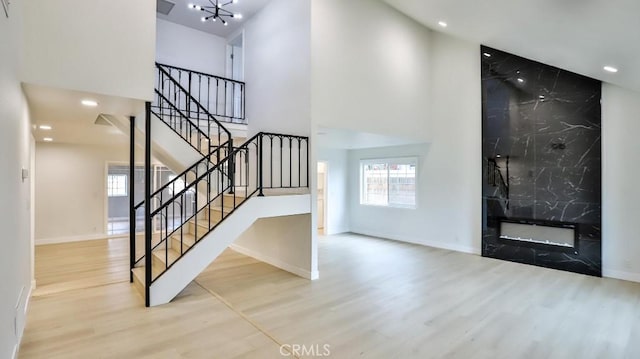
x=117, y=185
x=388, y=182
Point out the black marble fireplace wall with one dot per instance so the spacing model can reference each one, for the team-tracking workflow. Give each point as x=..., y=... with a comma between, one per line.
x=541, y=131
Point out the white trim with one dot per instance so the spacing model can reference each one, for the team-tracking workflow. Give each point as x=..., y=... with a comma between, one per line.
x=276, y=262
x=80, y=238
x=325, y=193
x=616, y=274
x=26, y=304
x=435, y=244
x=27, y=300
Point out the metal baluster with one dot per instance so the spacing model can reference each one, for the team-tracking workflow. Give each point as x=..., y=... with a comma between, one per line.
x=260, y=164
x=299, y=165
x=132, y=210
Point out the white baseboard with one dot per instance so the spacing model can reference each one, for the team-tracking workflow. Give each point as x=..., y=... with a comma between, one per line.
x=23, y=301
x=436, y=244
x=276, y=263
x=69, y=239
x=616, y=274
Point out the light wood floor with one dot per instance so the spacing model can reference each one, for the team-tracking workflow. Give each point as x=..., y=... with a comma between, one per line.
x=374, y=299
x=66, y=266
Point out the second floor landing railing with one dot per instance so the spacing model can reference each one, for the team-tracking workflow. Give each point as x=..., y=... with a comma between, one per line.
x=223, y=98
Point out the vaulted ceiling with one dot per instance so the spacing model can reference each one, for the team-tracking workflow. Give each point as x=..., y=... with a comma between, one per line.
x=582, y=36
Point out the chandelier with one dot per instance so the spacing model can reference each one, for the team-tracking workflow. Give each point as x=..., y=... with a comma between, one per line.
x=216, y=11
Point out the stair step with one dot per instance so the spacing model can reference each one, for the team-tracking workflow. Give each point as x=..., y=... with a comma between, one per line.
x=228, y=199
x=139, y=277
x=216, y=213
x=203, y=227
x=164, y=259
x=188, y=240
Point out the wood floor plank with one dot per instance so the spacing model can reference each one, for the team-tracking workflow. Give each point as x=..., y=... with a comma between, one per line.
x=374, y=299
x=380, y=299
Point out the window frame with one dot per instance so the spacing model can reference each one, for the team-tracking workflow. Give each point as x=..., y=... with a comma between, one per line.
x=409, y=160
x=111, y=189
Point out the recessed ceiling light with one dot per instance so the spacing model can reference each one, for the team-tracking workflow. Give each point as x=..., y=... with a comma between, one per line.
x=47, y=139
x=486, y=54
x=89, y=103
x=442, y=23
x=610, y=69
x=45, y=127
x=521, y=80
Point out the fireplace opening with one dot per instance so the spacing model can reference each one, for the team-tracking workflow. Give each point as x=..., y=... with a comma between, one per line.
x=549, y=234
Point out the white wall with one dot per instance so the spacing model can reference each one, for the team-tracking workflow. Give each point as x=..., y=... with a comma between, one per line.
x=370, y=69
x=277, y=64
x=188, y=48
x=454, y=162
x=439, y=219
x=99, y=46
x=15, y=194
x=71, y=190
x=375, y=70
x=337, y=193
x=280, y=241
x=278, y=68
x=620, y=191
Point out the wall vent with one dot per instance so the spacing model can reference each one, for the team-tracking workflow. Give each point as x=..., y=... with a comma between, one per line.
x=164, y=7
x=101, y=120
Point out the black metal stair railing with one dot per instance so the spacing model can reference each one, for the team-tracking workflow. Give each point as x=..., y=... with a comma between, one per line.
x=179, y=123
x=173, y=97
x=284, y=160
x=196, y=201
x=224, y=98
x=200, y=130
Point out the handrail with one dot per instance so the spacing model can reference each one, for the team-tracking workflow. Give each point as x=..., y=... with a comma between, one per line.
x=222, y=97
x=191, y=98
x=180, y=113
x=202, y=73
x=255, y=141
x=192, y=206
x=197, y=179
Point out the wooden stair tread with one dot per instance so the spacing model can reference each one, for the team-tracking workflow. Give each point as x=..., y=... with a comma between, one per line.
x=188, y=239
x=139, y=273
x=171, y=255
x=204, y=223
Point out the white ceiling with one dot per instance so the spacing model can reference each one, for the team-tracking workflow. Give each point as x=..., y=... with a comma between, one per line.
x=578, y=35
x=181, y=14
x=71, y=121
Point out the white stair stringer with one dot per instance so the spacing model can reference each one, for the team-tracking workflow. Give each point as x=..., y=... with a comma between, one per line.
x=192, y=263
x=169, y=148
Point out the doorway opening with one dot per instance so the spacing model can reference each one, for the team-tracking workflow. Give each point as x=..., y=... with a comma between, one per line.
x=235, y=71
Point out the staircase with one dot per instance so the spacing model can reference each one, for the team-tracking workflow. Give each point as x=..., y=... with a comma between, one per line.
x=193, y=218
